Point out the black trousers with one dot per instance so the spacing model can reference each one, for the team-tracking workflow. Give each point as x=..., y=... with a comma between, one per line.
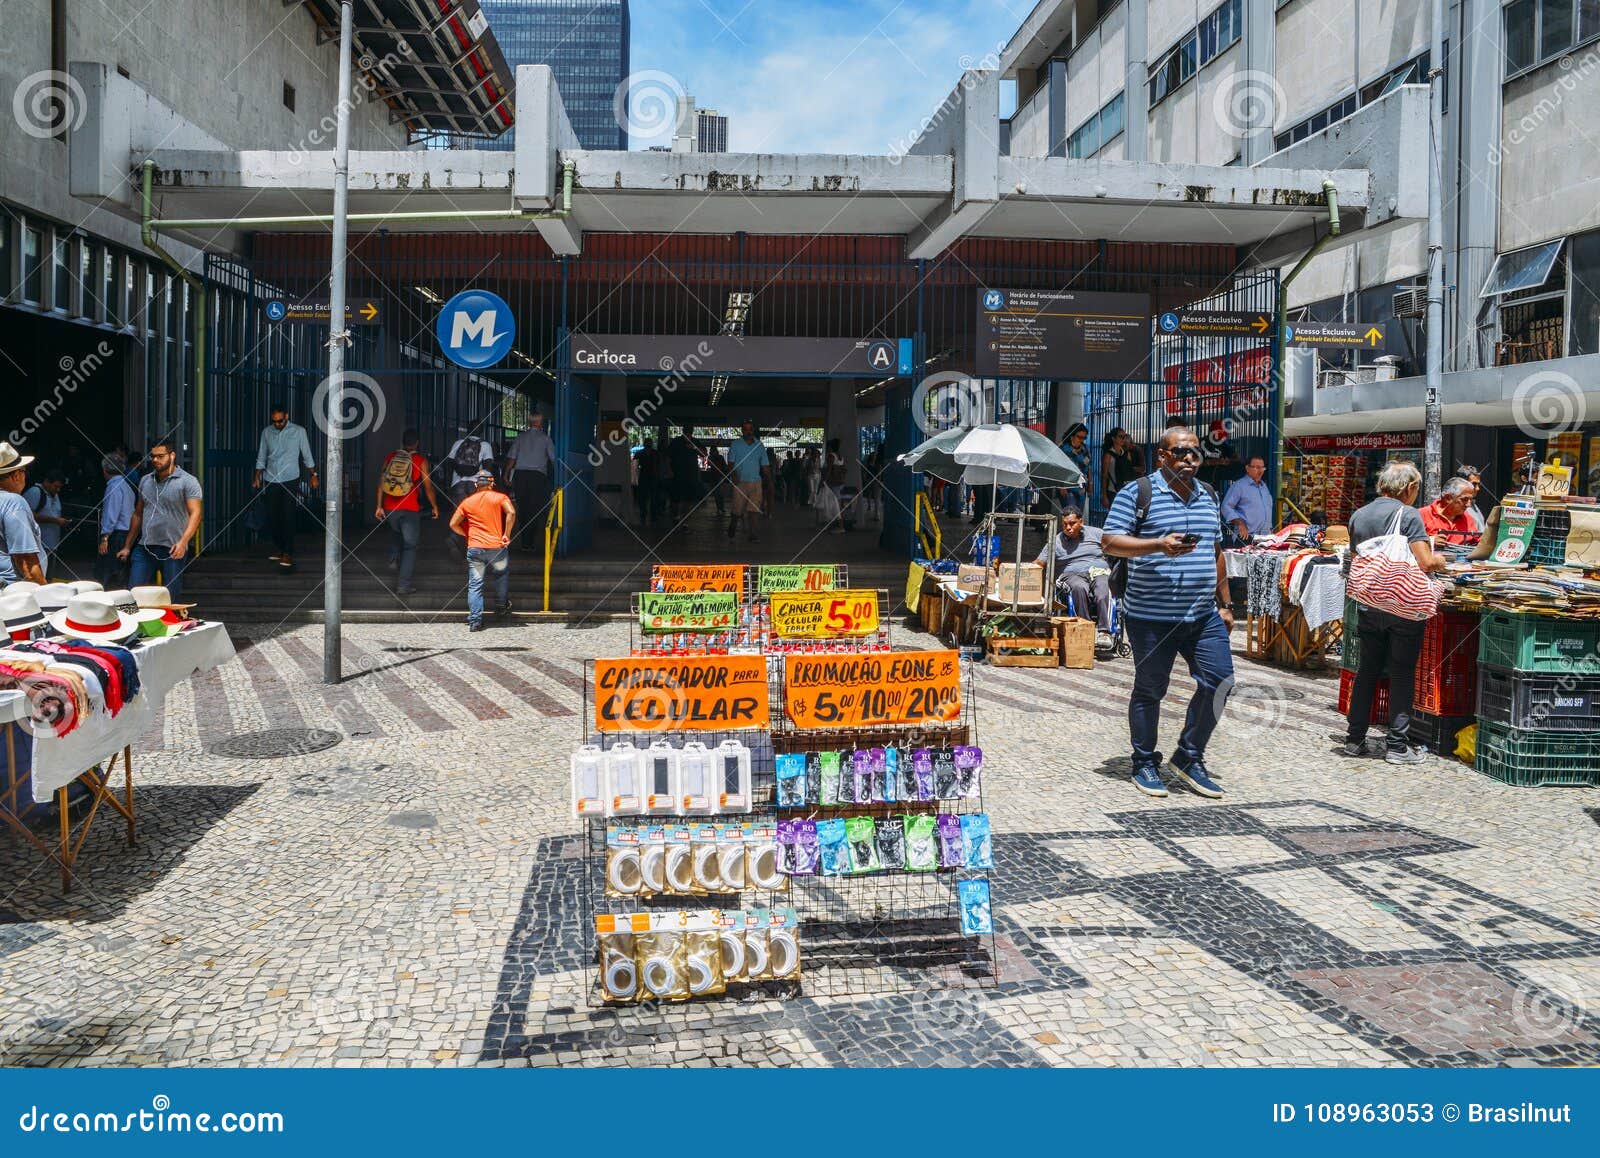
x=282, y=502
x=530, y=490
x=1389, y=647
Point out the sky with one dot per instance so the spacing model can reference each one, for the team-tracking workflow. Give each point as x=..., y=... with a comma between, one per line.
x=812, y=76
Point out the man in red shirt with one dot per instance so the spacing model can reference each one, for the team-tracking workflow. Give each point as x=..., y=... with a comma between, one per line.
x=1446, y=518
x=486, y=519
x=401, y=482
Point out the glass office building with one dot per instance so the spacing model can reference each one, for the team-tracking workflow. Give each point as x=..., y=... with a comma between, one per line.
x=585, y=43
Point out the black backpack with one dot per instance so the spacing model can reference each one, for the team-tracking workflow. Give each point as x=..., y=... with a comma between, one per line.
x=469, y=456
x=1141, y=508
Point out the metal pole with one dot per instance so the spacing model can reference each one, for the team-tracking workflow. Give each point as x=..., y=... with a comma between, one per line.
x=1433, y=437
x=333, y=484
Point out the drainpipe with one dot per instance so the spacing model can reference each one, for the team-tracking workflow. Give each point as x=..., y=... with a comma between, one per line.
x=197, y=285
x=1330, y=195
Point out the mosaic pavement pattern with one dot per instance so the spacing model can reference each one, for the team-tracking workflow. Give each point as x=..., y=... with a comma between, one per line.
x=414, y=894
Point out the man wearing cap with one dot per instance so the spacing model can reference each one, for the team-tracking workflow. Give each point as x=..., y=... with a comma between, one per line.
x=167, y=513
x=486, y=519
x=21, y=551
x=116, y=512
x=283, y=449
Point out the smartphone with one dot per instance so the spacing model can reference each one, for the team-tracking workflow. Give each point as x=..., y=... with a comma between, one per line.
x=1190, y=539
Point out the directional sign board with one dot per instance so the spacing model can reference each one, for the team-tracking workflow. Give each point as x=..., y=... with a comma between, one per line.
x=1062, y=334
x=1209, y=324
x=686, y=355
x=356, y=313
x=1333, y=334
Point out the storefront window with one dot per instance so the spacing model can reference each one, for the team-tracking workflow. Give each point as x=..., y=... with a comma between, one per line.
x=1583, y=259
x=32, y=265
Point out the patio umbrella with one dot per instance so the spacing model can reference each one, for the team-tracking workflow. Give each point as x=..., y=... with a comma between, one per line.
x=1000, y=454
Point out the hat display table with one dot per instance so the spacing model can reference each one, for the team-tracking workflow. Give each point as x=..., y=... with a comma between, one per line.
x=92, y=751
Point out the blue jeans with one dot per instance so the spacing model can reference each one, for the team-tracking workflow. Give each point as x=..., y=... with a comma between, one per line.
x=405, y=531
x=1156, y=644
x=480, y=559
x=146, y=559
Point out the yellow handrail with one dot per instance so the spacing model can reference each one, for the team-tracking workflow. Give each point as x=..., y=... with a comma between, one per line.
x=552, y=531
x=936, y=551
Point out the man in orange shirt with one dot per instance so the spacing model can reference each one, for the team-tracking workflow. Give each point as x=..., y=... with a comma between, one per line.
x=1446, y=518
x=486, y=519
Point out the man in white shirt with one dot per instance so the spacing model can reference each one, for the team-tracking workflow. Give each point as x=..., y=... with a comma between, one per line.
x=116, y=512
x=468, y=455
x=529, y=467
x=281, y=452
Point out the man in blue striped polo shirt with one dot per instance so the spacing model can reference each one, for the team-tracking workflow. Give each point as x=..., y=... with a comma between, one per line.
x=1176, y=603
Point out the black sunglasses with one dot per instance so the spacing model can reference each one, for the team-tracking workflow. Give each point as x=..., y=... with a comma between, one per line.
x=1184, y=452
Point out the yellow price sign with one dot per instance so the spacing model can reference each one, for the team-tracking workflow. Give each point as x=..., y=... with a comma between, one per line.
x=825, y=615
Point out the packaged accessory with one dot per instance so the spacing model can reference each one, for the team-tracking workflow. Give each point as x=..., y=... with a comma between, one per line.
x=761, y=858
x=619, y=976
x=813, y=777
x=807, y=849
x=975, y=838
x=697, y=789
x=707, y=859
x=680, y=861
x=792, y=780
x=833, y=847
x=624, y=876
x=891, y=833
x=624, y=780
x=922, y=773
x=862, y=838
x=951, y=853
x=653, y=861
x=976, y=918
x=861, y=776
x=788, y=845
x=702, y=957
x=944, y=774
x=922, y=844
x=783, y=944
x=588, y=791
x=908, y=780
x=733, y=760
x=663, y=969
x=732, y=863
x=969, y=771
x=730, y=934
x=831, y=787
x=891, y=775
x=661, y=779
x=757, y=958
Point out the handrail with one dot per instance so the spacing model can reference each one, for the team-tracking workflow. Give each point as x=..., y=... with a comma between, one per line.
x=553, y=523
x=936, y=550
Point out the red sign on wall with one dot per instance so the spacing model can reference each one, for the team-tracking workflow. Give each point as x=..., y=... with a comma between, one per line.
x=1225, y=384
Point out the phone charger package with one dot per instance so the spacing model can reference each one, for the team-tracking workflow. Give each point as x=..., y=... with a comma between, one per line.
x=733, y=866
x=762, y=866
x=833, y=847
x=813, y=777
x=807, y=849
x=831, y=777
x=783, y=944
x=702, y=958
x=757, y=954
x=792, y=780
x=922, y=774
x=862, y=838
x=975, y=840
x=624, y=873
x=944, y=773
x=976, y=918
x=679, y=869
x=652, y=861
x=730, y=934
x=619, y=975
x=707, y=861
x=861, y=776
x=922, y=844
x=624, y=772
x=697, y=789
x=951, y=851
x=588, y=788
x=891, y=834
x=661, y=779
x=969, y=772
x=663, y=967
x=733, y=763
x=891, y=775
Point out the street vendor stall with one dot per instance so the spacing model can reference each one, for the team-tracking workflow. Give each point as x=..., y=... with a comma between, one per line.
x=1295, y=601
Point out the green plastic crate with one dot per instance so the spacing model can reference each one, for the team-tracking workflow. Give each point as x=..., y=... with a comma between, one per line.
x=1538, y=759
x=1538, y=643
x=1349, y=644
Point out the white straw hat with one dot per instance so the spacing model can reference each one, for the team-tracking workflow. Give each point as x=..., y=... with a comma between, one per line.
x=19, y=611
x=93, y=617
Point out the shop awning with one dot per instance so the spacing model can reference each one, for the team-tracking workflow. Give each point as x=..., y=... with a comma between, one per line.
x=435, y=63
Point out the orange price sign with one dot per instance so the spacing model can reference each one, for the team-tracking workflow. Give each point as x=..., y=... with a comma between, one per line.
x=852, y=691
x=686, y=577
x=825, y=615
x=672, y=694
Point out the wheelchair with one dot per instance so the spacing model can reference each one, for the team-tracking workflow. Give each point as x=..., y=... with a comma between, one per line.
x=1120, y=647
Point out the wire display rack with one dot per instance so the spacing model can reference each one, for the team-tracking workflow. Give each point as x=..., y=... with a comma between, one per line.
x=751, y=633
x=891, y=931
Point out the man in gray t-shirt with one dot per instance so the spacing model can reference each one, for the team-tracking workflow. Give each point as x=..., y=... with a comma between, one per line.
x=1082, y=573
x=1377, y=517
x=165, y=519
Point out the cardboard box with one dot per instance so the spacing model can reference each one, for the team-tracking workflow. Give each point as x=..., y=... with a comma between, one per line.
x=971, y=578
x=1077, y=642
x=1025, y=583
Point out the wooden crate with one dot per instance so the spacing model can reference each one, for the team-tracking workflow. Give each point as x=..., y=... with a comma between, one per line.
x=1075, y=638
x=1004, y=652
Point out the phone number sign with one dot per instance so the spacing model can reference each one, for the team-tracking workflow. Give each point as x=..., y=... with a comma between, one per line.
x=853, y=691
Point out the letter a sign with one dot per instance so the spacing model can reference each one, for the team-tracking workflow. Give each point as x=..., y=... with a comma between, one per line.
x=476, y=329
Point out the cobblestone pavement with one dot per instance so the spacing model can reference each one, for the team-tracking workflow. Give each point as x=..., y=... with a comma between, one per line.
x=414, y=893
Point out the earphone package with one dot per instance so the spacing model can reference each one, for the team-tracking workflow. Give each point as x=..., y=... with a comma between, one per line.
x=891, y=833
x=679, y=870
x=788, y=845
x=976, y=918
x=831, y=776
x=944, y=773
x=906, y=763
x=952, y=854
x=922, y=844
x=976, y=841
x=922, y=774
x=702, y=956
x=652, y=861
x=862, y=838
x=860, y=776
x=707, y=859
x=833, y=847
x=783, y=944
x=733, y=863
x=969, y=771
x=876, y=766
x=619, y=976
x=792, y=780
x=663, y=966
x=891, y=775
x=813, y=778
x=624, y=872
x=807, y=849
x=730, y=935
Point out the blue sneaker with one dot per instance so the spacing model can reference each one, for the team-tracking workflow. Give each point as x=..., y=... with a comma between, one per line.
x=1194, y=774
x=1147, y=779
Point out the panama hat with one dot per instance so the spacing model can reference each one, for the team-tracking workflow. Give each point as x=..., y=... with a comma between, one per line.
x=93, y=617
x=21, y=587
x=158, y=597
x=10, y=460
x=54, y=596
x=19, y=611
x=85, y=586
x=122, y=600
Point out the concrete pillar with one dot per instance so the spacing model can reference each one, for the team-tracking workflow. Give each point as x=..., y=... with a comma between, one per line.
x=1260, y=56
x=1058, y=108
x=1066, y=407
x=1472, y=204
x=1136, y=84
x=842, y=424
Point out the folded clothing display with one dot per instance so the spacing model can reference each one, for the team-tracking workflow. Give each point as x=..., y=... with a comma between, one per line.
x=70, y=679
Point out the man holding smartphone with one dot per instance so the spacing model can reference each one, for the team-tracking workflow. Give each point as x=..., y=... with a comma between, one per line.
x=1168, y=527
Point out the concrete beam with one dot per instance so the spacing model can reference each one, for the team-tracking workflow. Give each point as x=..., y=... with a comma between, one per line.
x=1389, y=139
x=967, y=129
x=122, y=124
x=543, y=135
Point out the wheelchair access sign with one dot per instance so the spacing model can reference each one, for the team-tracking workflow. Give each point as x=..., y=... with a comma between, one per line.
x=476, y=329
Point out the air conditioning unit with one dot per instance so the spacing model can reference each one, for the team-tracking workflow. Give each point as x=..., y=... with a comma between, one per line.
x=1411, y=303
x=1357, y=377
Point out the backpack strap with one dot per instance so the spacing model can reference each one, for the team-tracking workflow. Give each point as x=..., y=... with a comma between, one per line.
x=1141, y=501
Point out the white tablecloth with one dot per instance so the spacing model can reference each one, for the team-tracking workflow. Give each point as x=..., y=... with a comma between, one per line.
x=163, y=663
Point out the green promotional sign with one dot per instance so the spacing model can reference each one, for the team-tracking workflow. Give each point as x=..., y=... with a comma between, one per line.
x=794, y=577
x=701, y=612
x=1515, y=533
